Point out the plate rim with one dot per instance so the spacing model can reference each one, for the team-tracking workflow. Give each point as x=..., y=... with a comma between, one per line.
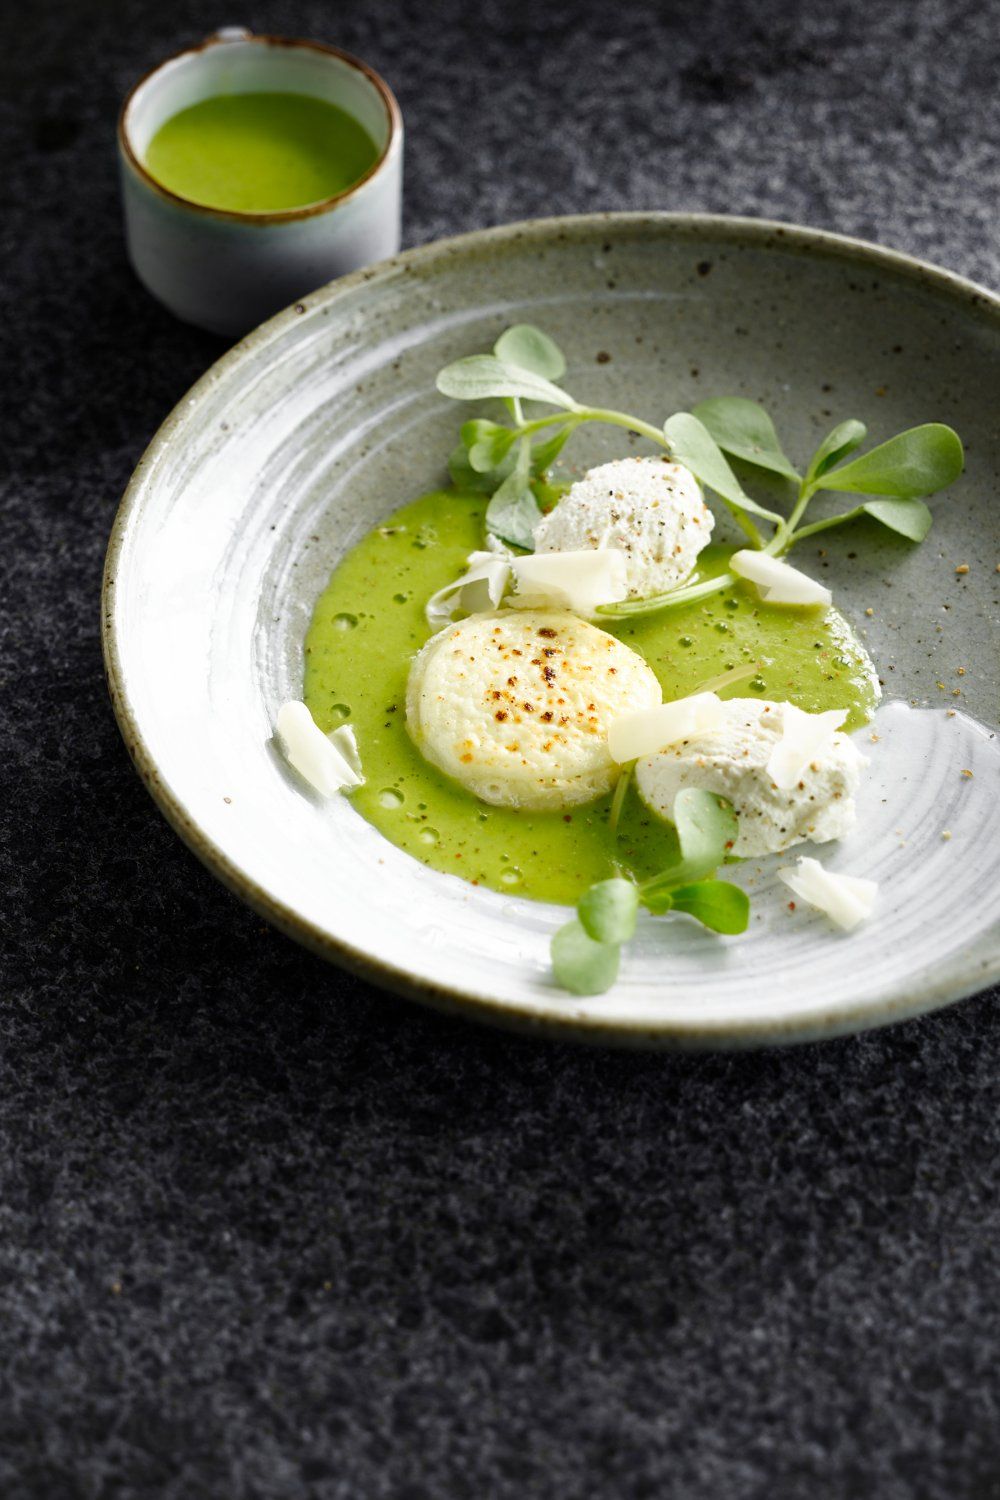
x=864, y=1013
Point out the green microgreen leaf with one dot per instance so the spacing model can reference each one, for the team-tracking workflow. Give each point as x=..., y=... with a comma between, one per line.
x=488, y=444
x=910, y=518
x=608, y=911
x=707, y=828
x=513, y=512
x=618, y=796
x=530, y=349
x=483, y=375
x=657, y=899
x=717, y=904
x=543, y=455
x=912, y=464
x=467, y=478
x=693, y=445
x=744, y=430
x=838, y=443
x=582, y=966
x=548, y=494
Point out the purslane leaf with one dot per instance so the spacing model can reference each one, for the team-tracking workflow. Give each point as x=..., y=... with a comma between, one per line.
x=608, y=911
x=910, y=518
x=707, y=827
x=717, y=904
x=488, y=444
x=467, y=478
x=692, y=444
x=476, y=428
x=912, y=464
x=657, y=899
x=580, y=965
x=530, y=349
x=513, y=512
x=744, y=430
x=481, y=376
x=543, y=455
x=838, y=443
x=548, y=494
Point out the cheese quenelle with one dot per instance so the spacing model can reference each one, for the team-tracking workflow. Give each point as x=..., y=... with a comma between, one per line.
x=732, y=758
x=516, y=705
x=650, y=509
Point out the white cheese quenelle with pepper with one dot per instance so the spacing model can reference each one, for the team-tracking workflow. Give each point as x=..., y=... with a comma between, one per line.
x=650, y=509
x=736, y=758
x=516, y=705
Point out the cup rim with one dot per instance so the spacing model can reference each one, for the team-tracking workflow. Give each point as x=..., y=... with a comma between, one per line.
x=268, y=216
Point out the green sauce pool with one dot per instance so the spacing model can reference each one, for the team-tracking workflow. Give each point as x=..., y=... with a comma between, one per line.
x=370, y=621
x=260, y=152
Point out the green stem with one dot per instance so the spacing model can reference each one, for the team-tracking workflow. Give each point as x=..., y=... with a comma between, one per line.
x=621, y=419
x=593, y=414
x=725, y=679
x=537, y=423
x=745, y=523
x=786, y=533
x=845, y=515
x=618, y=799
x=686, y=595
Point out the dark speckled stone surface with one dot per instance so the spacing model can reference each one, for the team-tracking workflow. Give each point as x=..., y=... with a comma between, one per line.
x=267, y=1232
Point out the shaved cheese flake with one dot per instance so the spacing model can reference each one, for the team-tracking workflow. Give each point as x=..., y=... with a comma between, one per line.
x=634, y=736
x=579, y=581
x=328, y=763
x=804, y=737
x=345, y=740
x=846, y=899
x=777, y=581
x=480, y=587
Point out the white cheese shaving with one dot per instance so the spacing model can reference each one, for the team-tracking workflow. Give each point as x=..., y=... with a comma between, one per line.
x=805, y=738
x=328, y=762
x=578, y=581
x=480, y=587
x=846, y=899
x=345, y=740
x=635, y=735
x=777, y=581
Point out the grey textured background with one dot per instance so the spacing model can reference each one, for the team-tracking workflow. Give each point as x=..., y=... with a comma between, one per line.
x=267, y=1232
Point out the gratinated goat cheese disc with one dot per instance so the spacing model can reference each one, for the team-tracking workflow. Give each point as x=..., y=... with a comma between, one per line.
x=732, y=759
x=650, y=509
x=516, y=705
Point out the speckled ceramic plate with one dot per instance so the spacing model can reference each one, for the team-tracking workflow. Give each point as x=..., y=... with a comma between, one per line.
x=284, y=455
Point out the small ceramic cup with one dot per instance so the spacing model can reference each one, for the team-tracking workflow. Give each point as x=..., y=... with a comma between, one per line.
x=227, y=271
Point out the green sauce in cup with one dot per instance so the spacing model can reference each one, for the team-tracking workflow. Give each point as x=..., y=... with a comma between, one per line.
x=260, y=152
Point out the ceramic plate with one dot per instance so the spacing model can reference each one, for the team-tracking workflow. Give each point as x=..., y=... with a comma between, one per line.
x=326, y=419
